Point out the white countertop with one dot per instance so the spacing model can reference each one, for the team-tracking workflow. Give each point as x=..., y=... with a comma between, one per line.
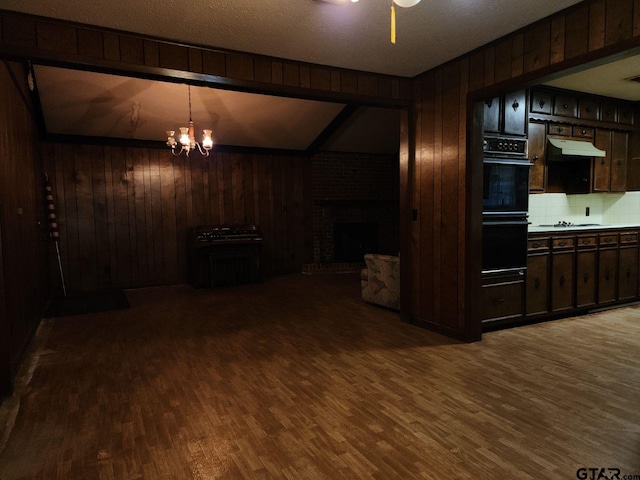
x=552, y=229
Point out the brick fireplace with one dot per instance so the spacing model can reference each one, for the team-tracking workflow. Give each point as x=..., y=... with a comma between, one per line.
x=355, y=207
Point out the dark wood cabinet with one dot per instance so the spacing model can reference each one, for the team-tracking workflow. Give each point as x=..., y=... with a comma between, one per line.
x=515, y=113
x=537, y=140
x=619, y=149
x=602, y=165
x=541, y=102
x=607, y=268
x=588, y=109
x=506, y=115
x=628, y=266
x=537, y=277
x=580, y=269
x=565, y=106
x=562, y=268
x=492, y=115
x=586, y=258
x=502, y=297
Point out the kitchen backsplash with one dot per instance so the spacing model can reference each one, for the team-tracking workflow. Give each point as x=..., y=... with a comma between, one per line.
x=604, y=208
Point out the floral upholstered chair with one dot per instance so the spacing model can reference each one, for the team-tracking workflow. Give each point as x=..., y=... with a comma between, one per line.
x=380, y=280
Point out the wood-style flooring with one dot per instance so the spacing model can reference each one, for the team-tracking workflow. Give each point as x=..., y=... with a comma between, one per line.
x=297, y=378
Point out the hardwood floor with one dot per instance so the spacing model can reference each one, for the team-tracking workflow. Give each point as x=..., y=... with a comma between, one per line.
x=297, y=378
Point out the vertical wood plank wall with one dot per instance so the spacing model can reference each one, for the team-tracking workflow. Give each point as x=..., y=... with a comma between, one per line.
x=441, y=249
x=124, y=212
x=23, y=231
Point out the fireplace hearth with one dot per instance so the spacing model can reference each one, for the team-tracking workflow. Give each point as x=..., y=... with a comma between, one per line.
x=352, y=240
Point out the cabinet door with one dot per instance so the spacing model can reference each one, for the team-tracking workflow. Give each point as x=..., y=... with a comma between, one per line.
x=586, y=278
x=537, y=292
x=608, y=112
x=562, y=281
x=540, y=102
x=565, y=106
x=607, y=275
x=628, y=272
x=618, y=162
x=588, y=109
x=492, y=115
x=537, y=140
x=602, y=165
x=625, y=115
x=515, y=113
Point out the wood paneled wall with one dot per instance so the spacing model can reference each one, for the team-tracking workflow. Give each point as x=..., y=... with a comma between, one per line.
x=47, y=39
x=444, y=244
x=125, y=212
x=23, y=231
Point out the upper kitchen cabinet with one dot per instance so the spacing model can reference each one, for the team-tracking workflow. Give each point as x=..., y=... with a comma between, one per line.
x=515, y=113
x=574, y=107
x=506, y=115
x=537, y=140
x=610, y=172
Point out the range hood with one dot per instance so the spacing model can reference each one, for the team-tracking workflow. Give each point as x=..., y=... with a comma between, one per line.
x=563, y=150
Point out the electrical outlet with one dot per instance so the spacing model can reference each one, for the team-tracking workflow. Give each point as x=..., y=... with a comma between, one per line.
x=587, y=211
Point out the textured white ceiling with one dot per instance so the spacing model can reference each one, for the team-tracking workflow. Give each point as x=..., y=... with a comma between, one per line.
x=354, y=35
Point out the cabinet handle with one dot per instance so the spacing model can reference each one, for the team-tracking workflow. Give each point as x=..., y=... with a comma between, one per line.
x=498, y=301
x=586, y=242
x=559, y=129
x=619, y=162
x=515, y=105
x=602, y=162
x=535, y=245
x=628, y=272
x=542, y=103
x=588, y=109
x=584, y=132
x=607, y=275
x=561, y=280
x=488, y=103
x=585, y=277
x=562, y=244
x=536, y=283
x=565, y=106
x=535, y=158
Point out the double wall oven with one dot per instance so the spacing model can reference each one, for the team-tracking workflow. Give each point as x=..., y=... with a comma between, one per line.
x=505, y=204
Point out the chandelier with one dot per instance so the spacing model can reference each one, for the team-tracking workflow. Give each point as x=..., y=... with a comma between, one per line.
x=187, y=139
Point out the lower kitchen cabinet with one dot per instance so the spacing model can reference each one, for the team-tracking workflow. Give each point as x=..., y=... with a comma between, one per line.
x=586, y=264
x=628, y=266
x=573, y=271
x=607, y=268
x=502, y=297
x=562, y=271
x=537, y=278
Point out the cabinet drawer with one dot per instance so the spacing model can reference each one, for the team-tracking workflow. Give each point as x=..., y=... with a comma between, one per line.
x=537, y=244
x=608, y=239
x=565, y=106
x=588, y=109
x=587, y=241
x=629, y=237
x=563, y=243
x=582, y=132
x=558, y=129
x=503, y=301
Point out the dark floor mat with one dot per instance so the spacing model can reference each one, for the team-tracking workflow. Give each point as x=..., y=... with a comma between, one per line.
x=83, y=303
